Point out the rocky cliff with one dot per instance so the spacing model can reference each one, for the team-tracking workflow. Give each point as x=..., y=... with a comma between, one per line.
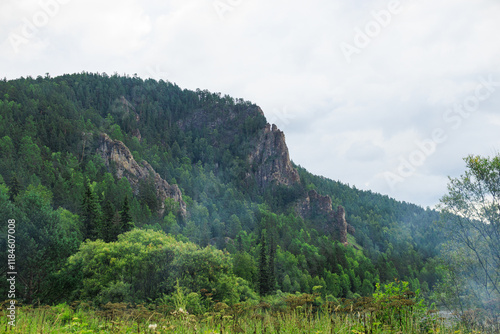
x=319, y=209
x=264, y=146
x=114, y=151
x=340, y=225
x=271, y=160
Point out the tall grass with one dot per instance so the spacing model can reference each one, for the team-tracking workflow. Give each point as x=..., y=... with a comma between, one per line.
x=286, y=314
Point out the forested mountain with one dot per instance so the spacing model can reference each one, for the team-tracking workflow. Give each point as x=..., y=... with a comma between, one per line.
x=86, y=158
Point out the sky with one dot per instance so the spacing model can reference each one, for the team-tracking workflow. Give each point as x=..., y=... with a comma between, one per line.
x=387, y=95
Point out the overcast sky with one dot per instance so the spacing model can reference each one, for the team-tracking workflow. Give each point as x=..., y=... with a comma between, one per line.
x=384, y=95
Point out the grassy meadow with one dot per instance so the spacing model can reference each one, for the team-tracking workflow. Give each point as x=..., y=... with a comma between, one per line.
x=305, y=313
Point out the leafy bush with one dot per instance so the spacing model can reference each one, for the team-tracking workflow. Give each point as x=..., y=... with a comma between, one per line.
x=144, y=264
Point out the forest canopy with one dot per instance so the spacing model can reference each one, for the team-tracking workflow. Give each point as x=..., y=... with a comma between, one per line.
x=89, y=232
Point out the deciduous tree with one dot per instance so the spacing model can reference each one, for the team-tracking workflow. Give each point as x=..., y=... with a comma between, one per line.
x=471, y=216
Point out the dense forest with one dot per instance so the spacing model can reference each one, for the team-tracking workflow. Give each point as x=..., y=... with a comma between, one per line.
x=131, y=190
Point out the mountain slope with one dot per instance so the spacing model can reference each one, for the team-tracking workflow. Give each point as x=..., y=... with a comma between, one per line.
x=205, y=168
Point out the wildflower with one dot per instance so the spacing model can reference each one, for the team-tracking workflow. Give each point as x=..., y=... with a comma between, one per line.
x=153, y=327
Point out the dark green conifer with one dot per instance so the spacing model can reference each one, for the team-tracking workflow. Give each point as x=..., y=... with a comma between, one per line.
x=270, y=264
x=90, y=213
x=263, y=266
x=14, y=187
x=108, y=231
x=125, y=217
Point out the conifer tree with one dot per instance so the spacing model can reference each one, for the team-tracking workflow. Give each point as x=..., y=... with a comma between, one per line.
x=14, y=187
x=270, y=265
x=239, y=243
x=125, y=217
x=263, y=266
x=108, y=229
x=91, y=215
x=116, y=223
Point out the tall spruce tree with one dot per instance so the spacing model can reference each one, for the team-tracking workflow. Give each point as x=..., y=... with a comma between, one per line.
x=90, y=213
x=125, y=217
x=108, y=231
x=270, y=263
x=14, y=187
x=263, y=266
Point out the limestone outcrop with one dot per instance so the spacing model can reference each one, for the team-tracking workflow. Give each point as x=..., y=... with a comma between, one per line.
x=116, y=153
x=340, y=225
x=271, y=159
x=271, y=165
x=318, y=208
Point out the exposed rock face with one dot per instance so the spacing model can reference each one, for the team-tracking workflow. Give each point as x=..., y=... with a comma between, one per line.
x=271, y=159
x=126, y=166
x=319, y=208
x=341, y=224
x=271, y=164
x=314, y=204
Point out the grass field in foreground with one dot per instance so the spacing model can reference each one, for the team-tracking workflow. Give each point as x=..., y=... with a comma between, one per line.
x=297, y=314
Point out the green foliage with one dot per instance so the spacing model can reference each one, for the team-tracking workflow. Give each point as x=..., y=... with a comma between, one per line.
x=44, y=239
x=200, y=141
x=179, y=297
x=116, y=132
x=171, y=207
x=244, y=266
x=125, y=223
x=111, y=224
x=70, y=224
x=264, y=280
x=143, y=265
x=399, y=238
x=283, y=314
x=91, y=214
x=147, y=194
x=471, y=220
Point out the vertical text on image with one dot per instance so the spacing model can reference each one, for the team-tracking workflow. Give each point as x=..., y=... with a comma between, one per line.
x=11, y=272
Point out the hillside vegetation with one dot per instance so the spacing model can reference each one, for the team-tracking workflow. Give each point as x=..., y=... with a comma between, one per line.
x=126, y=190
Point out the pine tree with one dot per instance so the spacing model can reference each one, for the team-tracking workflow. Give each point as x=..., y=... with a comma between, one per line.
x=90, y=213
x=116, y=224
x=14, y=187
x=263, y=266
x=270, y=264
x=126, y=218
x=239, y=243
x=108, y=230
